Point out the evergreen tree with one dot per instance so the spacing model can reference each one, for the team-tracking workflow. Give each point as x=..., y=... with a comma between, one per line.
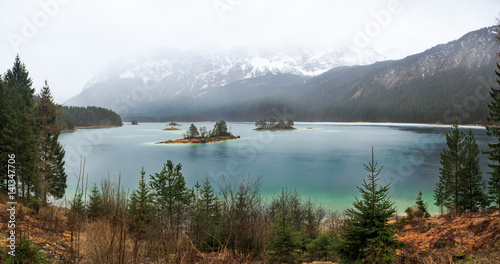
x=220, y=128
x=141, y=211
x=451, y=168
x=440, y=194
x=18, y=130
x=421, y=208
x=5, y=133
x=494, y=131
x=283, y=238
x=459, y=187
x=205, y=218
x=50, y=175
x=95, y=201
x=193, y=131
x=473, y=197
x=58, y=178
x=171, y=196
x=366, y=235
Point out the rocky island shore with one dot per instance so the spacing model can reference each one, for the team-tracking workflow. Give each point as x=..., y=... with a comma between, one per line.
x=220, y=133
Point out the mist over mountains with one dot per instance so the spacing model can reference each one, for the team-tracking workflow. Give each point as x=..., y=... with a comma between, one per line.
x=442, y=84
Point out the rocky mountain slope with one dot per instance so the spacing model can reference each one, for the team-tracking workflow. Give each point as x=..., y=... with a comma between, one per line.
x=445, y=83
x=173, y=75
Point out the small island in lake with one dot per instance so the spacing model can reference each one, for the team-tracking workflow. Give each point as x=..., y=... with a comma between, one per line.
x=134, y=122
x=173, y=123
x=273, y=124
x=220, y=133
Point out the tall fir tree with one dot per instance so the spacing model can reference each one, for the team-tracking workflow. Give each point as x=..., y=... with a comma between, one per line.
x=141, y=211
x=473, y=197
x=50, y=174
x=459, y=187
x=450, y=171
x=366, y=236
x=5, y=147
x=494, y=148
x=19, y=129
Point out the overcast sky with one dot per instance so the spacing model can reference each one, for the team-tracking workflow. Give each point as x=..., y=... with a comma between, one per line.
x=68, y=41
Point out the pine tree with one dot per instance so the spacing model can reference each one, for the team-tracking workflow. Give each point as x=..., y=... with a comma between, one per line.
x=205, y=218
x=421, y=208
x=283, y=238
x=20, y=126
x=50, y=175
x=193, y=131
x=450, y=171
x=141, y=211
x=366, y=235
x=440, y=194
x=58, y=178
x=494, y=131
x=220, y=128
x=473, y=197
x=459, y=187
x=5, y=133
x=95, y=201
x=171, y=196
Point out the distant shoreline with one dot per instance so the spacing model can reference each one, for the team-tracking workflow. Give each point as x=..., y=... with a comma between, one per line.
x=87, y=127
x=345, y=122
x=275, y=129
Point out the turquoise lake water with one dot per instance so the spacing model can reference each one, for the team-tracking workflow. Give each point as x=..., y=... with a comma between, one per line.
x=323, y=161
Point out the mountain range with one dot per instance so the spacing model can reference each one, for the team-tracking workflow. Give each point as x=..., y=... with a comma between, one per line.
x=445, y=83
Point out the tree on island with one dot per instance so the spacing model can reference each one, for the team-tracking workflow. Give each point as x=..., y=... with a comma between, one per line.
x=274, y=124
x=193, y=131
x=366, y=236
x=173, y=123
x=220, y=130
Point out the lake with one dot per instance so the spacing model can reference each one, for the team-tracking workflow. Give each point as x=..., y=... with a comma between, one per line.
x=323, y=161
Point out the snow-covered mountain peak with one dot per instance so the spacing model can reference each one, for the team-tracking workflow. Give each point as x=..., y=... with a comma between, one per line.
x=194, y=69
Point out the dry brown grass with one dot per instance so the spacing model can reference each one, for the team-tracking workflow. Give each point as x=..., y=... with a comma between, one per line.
x=474, y=234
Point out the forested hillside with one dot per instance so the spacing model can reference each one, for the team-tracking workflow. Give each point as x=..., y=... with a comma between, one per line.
x=70, y=117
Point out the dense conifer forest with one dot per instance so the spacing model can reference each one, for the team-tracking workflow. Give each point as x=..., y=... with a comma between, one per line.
x=70, y=117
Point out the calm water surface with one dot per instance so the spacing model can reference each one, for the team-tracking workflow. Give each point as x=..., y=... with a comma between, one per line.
x=323, y=161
